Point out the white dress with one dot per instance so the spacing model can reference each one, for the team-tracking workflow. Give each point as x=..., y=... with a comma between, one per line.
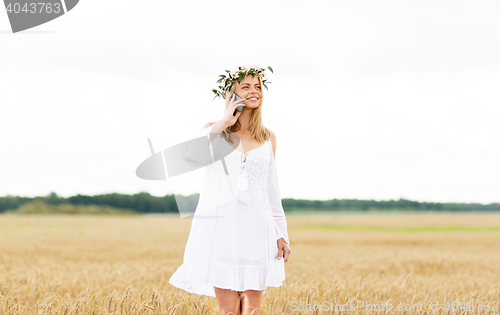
x=233, y=243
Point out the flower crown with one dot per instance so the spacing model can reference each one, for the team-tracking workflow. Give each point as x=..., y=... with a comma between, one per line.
x=226, y=80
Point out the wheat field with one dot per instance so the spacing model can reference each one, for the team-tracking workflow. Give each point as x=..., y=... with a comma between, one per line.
x=340, y=263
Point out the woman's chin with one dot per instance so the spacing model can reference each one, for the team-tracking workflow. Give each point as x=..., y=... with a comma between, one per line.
x=252, y=105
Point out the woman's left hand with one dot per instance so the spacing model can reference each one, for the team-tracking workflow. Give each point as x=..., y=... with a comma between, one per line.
x=283, y=249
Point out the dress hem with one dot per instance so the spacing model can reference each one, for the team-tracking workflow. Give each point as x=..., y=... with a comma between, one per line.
x=200, y=279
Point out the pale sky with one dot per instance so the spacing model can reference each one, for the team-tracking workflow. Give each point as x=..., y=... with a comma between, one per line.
x=369, y=100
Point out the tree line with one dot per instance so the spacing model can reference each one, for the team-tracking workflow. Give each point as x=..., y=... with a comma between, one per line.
x=143, y=202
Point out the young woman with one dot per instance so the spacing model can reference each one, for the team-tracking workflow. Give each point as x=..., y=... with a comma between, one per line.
x=237, y=249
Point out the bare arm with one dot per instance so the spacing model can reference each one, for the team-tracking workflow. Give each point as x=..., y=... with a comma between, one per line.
x=273, y=142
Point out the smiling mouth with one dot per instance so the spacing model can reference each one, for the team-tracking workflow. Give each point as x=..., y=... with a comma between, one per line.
x=253, y=98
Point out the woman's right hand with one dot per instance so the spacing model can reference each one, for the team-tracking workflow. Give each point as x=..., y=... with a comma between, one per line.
x=231, y=108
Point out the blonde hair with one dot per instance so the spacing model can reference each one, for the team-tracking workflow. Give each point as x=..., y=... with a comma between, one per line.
x=258, y=131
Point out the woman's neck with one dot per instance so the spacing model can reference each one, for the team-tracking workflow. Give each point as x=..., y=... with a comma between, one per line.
x=244, y=121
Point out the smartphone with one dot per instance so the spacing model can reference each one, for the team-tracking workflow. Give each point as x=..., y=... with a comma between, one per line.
x=237, y=98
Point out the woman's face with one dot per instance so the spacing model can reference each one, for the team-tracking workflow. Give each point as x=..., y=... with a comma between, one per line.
x=250, y=90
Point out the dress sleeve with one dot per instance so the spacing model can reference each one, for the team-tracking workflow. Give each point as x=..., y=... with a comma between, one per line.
x=216, y=189
x=275, y=201
x=194, y=154
x=206, y=133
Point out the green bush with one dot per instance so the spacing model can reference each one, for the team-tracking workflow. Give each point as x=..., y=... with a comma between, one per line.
x=40, y=207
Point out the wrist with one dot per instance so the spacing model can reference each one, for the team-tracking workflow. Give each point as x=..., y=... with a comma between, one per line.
x=221, y=125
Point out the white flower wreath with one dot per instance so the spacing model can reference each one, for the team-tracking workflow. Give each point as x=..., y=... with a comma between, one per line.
x=226, y=80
